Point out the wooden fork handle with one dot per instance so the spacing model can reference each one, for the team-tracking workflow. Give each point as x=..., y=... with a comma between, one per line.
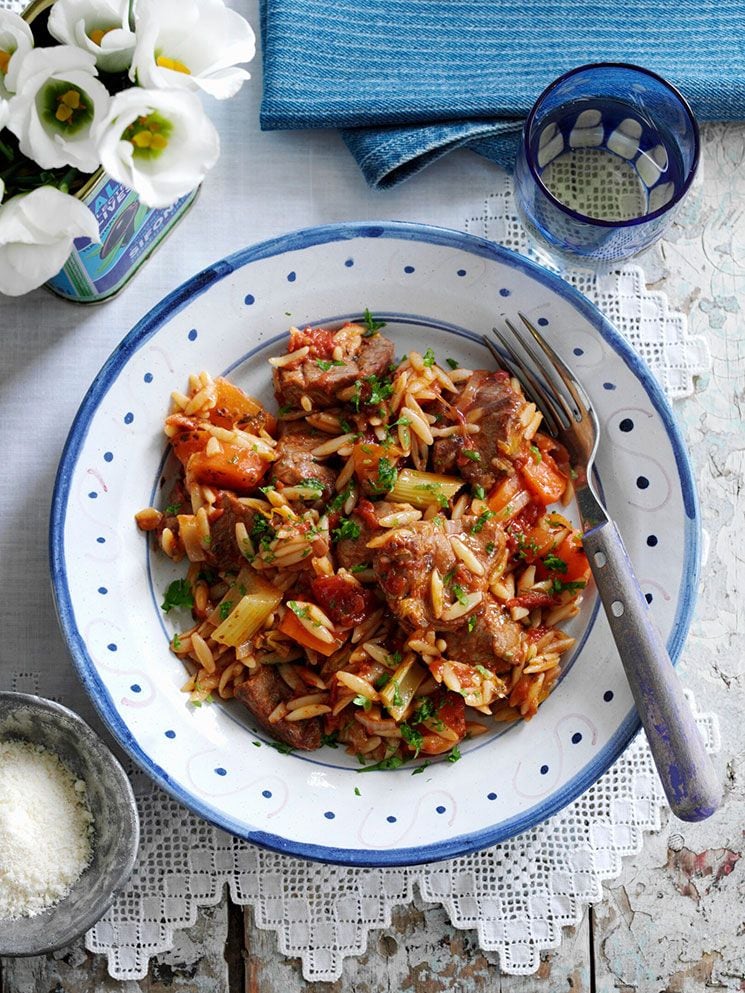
x=691, y=784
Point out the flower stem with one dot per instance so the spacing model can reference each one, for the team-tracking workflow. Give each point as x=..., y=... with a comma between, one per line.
x=66, y=181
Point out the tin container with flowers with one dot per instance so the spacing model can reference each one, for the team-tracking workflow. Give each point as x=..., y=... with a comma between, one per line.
x=103, y=137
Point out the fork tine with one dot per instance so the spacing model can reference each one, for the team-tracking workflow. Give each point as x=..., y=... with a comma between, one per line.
x=562, y=369
x=533, y=387
x=553, y=387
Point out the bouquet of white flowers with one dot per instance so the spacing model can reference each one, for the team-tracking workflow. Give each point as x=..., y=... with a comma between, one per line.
x=119, y=92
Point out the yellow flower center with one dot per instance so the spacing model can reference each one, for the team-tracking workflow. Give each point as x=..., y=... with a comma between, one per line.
x=67, y=104
x=146, y=134
x=165, y=63
x=4, y=60
x=98, y=34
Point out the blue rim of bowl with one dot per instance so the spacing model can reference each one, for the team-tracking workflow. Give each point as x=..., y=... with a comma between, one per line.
x=596, y=221
x=167, y=309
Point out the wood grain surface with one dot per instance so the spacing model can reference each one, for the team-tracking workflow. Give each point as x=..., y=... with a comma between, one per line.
x=674, y=921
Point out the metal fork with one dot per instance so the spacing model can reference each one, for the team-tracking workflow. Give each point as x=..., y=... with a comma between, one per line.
x=688, y=777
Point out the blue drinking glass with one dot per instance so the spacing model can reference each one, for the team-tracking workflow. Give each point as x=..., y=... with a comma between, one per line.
x=609, y=151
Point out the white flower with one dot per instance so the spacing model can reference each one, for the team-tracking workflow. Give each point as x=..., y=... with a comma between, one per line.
x=57, y=104
x=100, y=27
x=160, y=143
x=36, y=235
x=15, y=41
x=191, y=44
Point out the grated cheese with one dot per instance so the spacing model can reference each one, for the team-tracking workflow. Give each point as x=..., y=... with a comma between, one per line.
x=46, y=829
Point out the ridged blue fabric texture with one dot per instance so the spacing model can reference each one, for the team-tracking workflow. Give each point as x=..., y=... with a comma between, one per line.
x=408, y=80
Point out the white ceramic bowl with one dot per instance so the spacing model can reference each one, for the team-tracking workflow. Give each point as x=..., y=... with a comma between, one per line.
x=434, y=288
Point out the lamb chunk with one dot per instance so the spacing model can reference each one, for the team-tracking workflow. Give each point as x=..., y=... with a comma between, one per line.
x=404, y=568
x=496, y=641
x=319, y=376
x=261, y=693
x=295, y=463
x=500, y=433
x=224, y=550
x=352, y=552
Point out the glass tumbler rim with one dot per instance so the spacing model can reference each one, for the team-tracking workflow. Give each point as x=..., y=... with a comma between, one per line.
x=594, y=221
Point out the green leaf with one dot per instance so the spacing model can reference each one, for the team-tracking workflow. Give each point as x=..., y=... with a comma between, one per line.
x=224, y=609
x=281, y=746
x=429, y=358
x=421, y=768
x=347, y=528
x=325, y=364
x=453, y=754
x=485, y=516
x=394, y=762
x=453, y=364
x=371, y=324
x=412, y=737
x=178, y=594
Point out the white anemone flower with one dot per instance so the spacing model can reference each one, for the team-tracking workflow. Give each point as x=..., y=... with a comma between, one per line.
x=15, y=41
x=159, y=143
x=191, y=44
x=58, y=102
x=100, y=27
x=37, y=230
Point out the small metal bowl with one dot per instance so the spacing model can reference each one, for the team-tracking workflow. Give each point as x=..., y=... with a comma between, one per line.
x=116, y=824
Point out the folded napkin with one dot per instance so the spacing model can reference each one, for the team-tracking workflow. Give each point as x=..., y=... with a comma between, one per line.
x=408, y=80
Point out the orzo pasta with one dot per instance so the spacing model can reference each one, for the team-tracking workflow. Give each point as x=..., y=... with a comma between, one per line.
x=376, y=558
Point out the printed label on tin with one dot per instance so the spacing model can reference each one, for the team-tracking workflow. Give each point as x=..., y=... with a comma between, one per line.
x=129, y=233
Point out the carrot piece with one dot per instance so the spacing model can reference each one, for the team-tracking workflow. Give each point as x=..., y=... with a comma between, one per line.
x=503, y=492
x=292, y=627
x=571, y=552
x=232, y=405
x=543, y=477
x=234, y=468
x=191, y=438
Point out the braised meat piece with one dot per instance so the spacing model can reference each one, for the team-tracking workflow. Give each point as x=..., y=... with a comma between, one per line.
x=480, y=459
x=262, y=693
x=294, y=460
x=224, y=551
x=352, y=552
x=496, y=641
x=405, y=566
x=320, y=376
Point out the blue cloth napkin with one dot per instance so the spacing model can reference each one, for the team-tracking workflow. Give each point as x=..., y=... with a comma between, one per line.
x=409, y=80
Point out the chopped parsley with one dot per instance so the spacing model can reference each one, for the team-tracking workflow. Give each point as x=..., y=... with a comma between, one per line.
x=573, y=474
x=256, y=744
x=554, y=563
x=478, y=492
x=472, y=455
x=490, y=546
x=471, y=623
x=453, y=364
x=559, y=586
x=372, y=326
x=421, y=768
x=485, y=516
x=171, y=509
x=387, y=476
x=382, y=680
x=325, y=364
x=453, y=754
x=362, y=701
x=298, y=611
x=347, y=529
x=178, y=594
x=281, y=746
x=459, y=593
x=224, y=609
x=393, y=762
x=536, y=453
x=357, y=791
x=429, y=358
x=425, y=710
x=208, y=699
x=413, y=738
x=312, y=484
x=285, y=409
x=483, y=671
x=332, y=740
x=362, y=567
x=396, y=699
x=378, y=389
x=176, y=642
x=525, y=546
x=340, y=499
x=262, y=531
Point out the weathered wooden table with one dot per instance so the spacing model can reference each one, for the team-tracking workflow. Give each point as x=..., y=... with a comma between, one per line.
x=674, y=922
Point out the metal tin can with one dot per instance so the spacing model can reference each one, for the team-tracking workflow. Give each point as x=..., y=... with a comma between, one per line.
x=129, y=231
